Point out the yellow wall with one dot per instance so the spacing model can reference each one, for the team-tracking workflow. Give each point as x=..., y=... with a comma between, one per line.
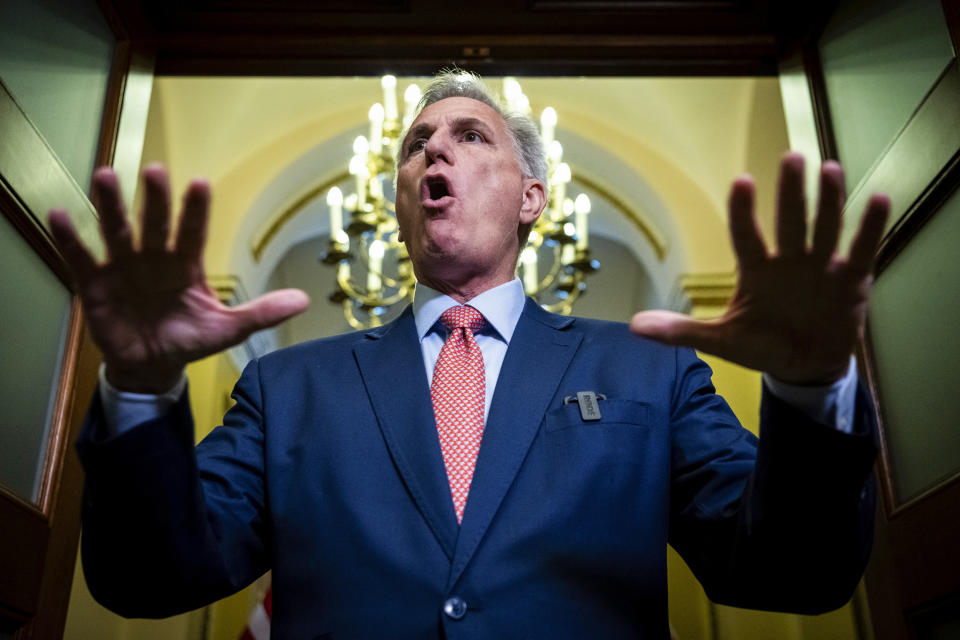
x=87, y=620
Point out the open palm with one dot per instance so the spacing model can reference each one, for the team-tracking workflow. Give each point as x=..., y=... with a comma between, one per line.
x=797, y=313
x=148, y=305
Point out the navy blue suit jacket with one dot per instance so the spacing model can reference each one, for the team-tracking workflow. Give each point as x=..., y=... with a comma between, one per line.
x=328, y=470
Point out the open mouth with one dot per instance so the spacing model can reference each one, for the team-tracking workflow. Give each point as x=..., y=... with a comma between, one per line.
x=435, y=188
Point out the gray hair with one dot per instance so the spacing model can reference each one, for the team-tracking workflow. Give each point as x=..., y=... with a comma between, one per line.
x=527, y=144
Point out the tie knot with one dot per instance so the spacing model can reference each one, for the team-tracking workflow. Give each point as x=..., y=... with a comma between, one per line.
x=462, y=317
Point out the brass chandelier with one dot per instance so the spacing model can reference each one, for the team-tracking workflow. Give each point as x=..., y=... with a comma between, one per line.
x=374, y=273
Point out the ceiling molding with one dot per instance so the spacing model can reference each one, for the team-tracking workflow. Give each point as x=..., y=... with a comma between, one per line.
x=276, y=221
x=653, y=235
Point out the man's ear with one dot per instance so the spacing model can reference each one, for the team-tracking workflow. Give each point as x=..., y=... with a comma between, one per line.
x=534, y=200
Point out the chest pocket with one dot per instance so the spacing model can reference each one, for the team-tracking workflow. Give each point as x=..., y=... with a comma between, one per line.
x=612, y=413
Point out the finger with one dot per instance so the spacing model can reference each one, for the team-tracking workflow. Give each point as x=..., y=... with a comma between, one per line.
x=744, y=232
x=865, y=243
x=79, y=260
x=268, y=310
x=826, y=230
x=791, y=207
x=192, y=229
x=108, y=202
x=155, y=215
x=676, y=329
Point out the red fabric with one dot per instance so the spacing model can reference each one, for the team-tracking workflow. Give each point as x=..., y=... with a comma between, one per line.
x=268, y=602
x=458, y=393
x=258, y=627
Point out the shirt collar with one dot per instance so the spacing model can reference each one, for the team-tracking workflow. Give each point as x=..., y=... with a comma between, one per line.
x=501, y=307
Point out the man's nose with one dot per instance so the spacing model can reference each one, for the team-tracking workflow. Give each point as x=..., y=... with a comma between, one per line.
x=438, y=149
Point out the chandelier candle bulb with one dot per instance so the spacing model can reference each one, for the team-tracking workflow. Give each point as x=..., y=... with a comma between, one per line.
x=548, y=123
x=523, y=104
x=531, y=280
x=568, y=255
x=582, y=208
x=360, y=146
x=559, y=195
x=511, y=92
x=358, y=168
x=335, y=202
x=561, y=176
x=374, y=267
x=376, y=187
x=389, y=84
x=411, y=97
x=376, y=128
x=555, y=152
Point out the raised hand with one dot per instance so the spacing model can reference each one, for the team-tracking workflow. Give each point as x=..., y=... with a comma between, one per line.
x=148, y=305
x=797, y=313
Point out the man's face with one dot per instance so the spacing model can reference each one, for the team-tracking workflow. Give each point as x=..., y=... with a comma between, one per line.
x=461, y=196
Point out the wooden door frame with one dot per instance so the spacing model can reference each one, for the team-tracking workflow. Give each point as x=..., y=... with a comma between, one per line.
x=39, y=540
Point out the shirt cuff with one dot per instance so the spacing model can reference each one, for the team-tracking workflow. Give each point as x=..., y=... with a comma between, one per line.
x=831, y=405
x=124, y=410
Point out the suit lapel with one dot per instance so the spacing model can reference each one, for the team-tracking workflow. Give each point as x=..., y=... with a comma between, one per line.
x=391, y=364
x=540, y=352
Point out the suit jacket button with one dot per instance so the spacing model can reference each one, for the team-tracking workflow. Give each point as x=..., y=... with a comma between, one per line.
x=455, y=608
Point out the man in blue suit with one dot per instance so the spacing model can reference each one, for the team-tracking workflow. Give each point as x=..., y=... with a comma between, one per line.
x=597, y=446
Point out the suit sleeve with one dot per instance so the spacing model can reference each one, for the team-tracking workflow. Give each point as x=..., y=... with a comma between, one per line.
x=782, y=524
x=163, y=534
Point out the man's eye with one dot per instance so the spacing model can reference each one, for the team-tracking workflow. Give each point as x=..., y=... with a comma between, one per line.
x=417, y=145
x=472, y=136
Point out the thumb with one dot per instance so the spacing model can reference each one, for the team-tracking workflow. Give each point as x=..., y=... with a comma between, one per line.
x=675, y=329
x=270, y=309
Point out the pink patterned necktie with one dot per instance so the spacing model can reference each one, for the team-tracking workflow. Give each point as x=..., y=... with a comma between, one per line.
x=458, y=391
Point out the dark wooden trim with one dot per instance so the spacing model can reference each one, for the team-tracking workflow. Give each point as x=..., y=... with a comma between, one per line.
x=951, y=12
x=866, y=365
x=24, y=540
x=57, y=438
x=931, y=570
x=491, y=54
x=116, y=20
x=818, y=97
x=594, y=6
x=429, y=65
x=64, y=538
x=113, y=104
x=880, y=579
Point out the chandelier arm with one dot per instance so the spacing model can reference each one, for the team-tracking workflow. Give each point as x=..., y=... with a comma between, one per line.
x=351, y=317
x=403, y=291
x=555, y=268
x=565, y=306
